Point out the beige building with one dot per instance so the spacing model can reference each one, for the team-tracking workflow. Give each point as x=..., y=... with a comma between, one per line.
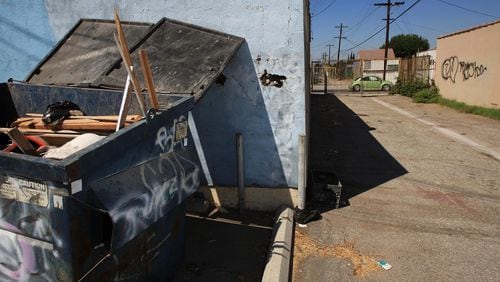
x=371, y=62
x=468, y=65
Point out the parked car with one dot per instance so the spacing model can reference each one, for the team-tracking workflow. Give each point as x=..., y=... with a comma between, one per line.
x=370, y=82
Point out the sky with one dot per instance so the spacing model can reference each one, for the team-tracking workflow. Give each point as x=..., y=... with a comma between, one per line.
x=428, y=18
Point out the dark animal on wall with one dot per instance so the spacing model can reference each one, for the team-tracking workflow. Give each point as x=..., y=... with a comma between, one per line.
x=268, y=79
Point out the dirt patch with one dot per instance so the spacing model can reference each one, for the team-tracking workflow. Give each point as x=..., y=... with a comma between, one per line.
x=305, y=247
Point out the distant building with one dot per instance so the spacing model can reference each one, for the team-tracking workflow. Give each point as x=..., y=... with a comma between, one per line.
x=371, y=62
x=432, y=63
x=468, y=65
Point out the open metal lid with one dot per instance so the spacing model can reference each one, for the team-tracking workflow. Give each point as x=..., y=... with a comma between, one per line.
x=85, y=53
x=184, y=59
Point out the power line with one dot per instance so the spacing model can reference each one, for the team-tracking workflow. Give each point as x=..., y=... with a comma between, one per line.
x=388, y=6
x=326, y=8
x=358, y=24
x=429, y=28
x=321, y=44
x=380, y=30
x=329, y=50
x=340, y=37
x=467, y=9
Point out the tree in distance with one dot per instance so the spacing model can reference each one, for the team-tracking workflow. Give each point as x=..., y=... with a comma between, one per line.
x=407, y=45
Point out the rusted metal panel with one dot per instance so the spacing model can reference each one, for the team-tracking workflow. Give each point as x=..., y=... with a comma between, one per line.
x=185, y=59
x=85, y=53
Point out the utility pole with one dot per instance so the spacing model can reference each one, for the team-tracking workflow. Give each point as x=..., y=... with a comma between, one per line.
x=325, y=76
x=388, y=5
x=329, y=49
x=341, y=26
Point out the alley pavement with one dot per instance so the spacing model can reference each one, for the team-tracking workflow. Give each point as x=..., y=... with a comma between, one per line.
x=420, y=191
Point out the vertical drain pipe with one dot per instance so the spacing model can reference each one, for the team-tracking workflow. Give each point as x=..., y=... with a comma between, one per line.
x=241, y=172
x=302, y=173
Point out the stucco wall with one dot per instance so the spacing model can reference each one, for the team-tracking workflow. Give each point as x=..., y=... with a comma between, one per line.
x=25, y=37
x=269, y=118
x=468, y=66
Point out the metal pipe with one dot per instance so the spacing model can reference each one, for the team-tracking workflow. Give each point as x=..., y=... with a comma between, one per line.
x=241, y=172
x=302, y=172
x=325, y=78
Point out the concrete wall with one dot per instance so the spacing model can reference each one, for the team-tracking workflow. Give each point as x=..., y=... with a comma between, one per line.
x=468, y=66
x=269, y=118
x=432, y=63
x=25, y=37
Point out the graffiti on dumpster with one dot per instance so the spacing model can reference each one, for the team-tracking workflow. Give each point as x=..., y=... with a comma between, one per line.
x=168, y=179
x=452, y=66
x=23, y=257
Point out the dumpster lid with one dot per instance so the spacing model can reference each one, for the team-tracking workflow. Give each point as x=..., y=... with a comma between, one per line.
x=85, y=53
x=184, y=58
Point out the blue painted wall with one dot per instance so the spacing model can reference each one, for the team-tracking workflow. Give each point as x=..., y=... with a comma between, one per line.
x=25, y=37
x=269, y=118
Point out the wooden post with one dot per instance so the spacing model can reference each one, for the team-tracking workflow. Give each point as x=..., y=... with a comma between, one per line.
x=148, y=77
x=22, y=143
x=127, y=61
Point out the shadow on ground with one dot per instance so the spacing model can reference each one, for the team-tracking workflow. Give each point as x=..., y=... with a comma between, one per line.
x=226, y=247
x=341, y=143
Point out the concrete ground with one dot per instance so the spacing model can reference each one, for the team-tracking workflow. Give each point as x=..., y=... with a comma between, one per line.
x=421, y=191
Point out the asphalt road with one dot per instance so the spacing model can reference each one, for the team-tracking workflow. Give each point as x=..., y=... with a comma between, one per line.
x=421, y=191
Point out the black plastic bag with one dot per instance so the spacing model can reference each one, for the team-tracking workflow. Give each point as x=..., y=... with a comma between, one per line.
x=59, y=111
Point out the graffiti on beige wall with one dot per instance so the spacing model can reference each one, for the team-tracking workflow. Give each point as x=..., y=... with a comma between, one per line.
x=452, y=66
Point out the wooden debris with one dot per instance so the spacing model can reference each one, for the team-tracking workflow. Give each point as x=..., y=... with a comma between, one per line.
x=148, y=77
x=22, y=143
x=76, y=123
x=129, y=118
x=57, y=139
x=121, y=42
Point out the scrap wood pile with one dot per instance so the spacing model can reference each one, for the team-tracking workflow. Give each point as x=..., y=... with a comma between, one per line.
x=32, y=134
x=76, y=123
x=64, y=124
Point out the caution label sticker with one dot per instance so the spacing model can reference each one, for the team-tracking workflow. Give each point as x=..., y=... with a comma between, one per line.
x=24, y=190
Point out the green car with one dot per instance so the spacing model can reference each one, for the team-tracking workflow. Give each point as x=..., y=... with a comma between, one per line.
x=370, y=82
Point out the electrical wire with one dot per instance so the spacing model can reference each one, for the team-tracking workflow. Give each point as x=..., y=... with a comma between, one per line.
x=317, y=3
x=326, y=8
x=429, y=28
x=380, y=30
x=321, y=44
x=467, y=9
x=358, y=24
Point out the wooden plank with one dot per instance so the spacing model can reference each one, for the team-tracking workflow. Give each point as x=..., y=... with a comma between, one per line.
x=97, y=126
x=57, y=139
x=127, y=61
x=35, y=131
x=148, y=76
x=23, y=122
x=129, y=118
x=22, y=143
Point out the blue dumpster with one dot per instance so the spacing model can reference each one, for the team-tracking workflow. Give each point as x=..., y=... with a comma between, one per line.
x=115, y=209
